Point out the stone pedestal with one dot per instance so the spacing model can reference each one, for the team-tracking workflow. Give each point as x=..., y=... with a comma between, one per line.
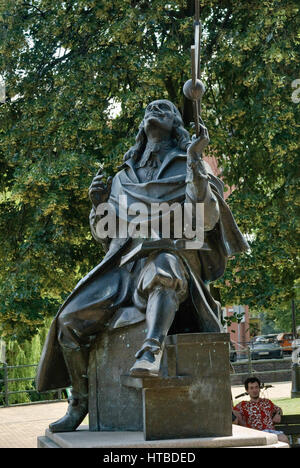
x=113, y=406
x=191, y=397
x=187, y=406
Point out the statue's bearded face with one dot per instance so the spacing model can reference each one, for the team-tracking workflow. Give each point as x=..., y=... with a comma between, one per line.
x=159, y=114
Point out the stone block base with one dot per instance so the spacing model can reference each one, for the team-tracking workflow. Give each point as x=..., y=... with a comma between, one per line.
x=190, y=398
x=242, y=437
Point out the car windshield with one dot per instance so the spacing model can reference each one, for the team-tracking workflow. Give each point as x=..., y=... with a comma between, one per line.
x=267, y=339
x=264, y=344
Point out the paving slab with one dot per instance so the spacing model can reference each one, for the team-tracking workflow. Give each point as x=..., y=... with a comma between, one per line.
x=21, y=425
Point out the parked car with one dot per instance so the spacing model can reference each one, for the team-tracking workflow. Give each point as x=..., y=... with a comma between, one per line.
x=285, y=340
x=264, y=349
x=271, y=338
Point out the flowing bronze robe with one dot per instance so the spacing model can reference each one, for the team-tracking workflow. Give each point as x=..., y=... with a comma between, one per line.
x=221, y=242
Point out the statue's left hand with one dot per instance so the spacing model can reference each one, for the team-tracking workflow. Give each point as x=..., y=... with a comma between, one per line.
x=198, y=143
x=196, y=171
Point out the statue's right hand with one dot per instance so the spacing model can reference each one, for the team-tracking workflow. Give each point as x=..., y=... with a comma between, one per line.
x=98, y=190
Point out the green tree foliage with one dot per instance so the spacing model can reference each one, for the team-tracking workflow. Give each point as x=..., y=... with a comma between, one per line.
x=65, y=65
x=281, y=314
x=23, y=357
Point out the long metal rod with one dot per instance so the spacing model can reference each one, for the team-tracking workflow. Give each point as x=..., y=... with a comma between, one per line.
x=40, y=402
x=197, y=49
x=196, y=64
x=193, y=57
x=197, y=10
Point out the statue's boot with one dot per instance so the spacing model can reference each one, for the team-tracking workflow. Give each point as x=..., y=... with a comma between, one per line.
x=77, y=364
x=161, y=308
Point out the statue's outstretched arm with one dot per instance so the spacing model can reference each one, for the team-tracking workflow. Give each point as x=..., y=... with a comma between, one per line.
x=197, y=180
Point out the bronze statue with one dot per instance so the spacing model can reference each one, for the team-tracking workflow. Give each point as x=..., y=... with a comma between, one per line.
x=144, y=278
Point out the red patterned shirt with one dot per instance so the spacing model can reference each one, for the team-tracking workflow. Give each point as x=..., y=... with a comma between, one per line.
x=257, y=414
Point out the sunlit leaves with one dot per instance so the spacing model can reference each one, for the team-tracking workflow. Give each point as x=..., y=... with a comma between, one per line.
x=65, y=63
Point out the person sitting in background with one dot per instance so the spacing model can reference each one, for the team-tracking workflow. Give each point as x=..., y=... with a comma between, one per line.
x=259, y=413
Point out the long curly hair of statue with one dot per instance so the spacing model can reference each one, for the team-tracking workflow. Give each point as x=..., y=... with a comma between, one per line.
x=179, y=134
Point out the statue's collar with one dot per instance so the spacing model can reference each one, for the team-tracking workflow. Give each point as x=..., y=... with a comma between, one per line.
x=169, y=157
x=159, y=149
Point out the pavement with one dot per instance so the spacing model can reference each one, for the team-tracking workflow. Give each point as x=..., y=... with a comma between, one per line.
x=21, y=425
x=278, y=390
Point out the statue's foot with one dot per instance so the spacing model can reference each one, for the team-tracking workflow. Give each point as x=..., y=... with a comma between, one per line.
x=77, y=411
x=148, y=360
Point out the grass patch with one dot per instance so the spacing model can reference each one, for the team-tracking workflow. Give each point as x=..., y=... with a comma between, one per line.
x=288, y=405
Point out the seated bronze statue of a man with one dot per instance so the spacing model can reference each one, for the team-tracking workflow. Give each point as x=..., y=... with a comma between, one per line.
x=163, y=166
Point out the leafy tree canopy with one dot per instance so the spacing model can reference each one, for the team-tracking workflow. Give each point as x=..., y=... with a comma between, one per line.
x=66, y=64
